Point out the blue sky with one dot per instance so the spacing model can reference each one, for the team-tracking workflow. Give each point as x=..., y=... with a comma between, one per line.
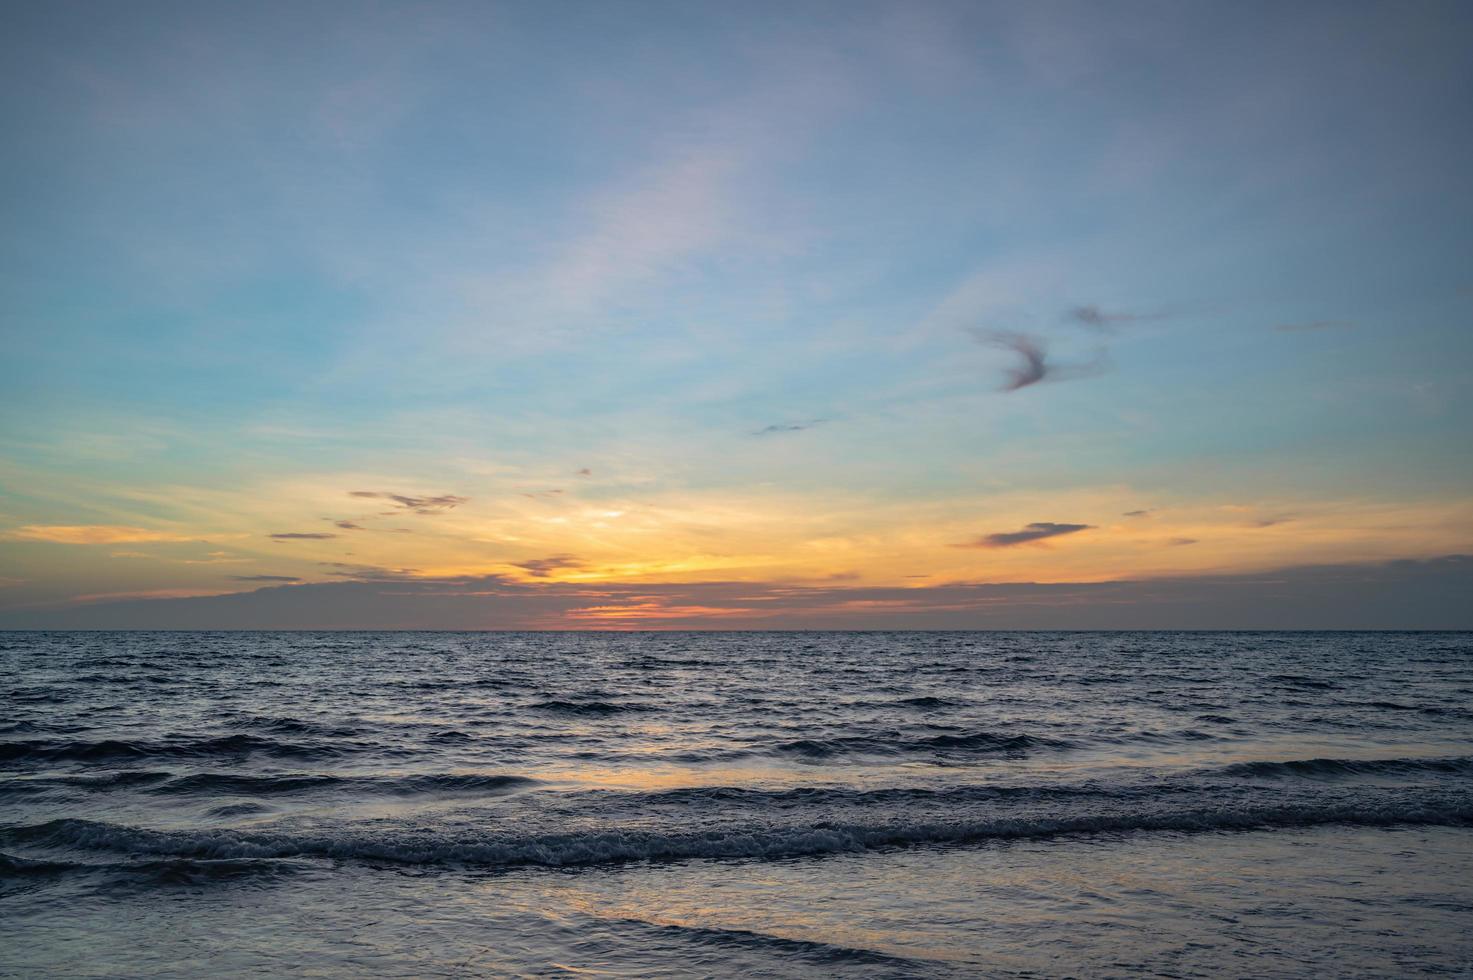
x=760, y=270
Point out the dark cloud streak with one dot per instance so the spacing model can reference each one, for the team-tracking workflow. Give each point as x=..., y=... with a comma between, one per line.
x=1094, y=317
x=1313, y=325
x=419, y=505
x=369, y=573
x=1037, y=531
x=544, y=567
x=1034, y=365
x=779, y=427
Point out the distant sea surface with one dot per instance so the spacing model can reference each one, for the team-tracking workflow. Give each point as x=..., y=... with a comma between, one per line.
x=736, y=804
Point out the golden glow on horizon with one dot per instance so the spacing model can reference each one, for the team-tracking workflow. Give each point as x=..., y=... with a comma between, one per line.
x=306, y=531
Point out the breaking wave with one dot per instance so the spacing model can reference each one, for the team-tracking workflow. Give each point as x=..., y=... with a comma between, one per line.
x=749, y=841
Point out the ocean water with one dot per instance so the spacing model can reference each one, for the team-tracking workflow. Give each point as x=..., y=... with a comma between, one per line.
x=736, y=804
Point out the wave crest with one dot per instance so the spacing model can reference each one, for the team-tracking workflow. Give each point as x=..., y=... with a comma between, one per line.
x=764, y=841
x=1332, y=768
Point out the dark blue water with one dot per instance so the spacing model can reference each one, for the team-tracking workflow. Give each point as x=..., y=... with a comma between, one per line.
x=709, y=804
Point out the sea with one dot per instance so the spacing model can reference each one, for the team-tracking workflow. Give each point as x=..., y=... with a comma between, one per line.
x=762, y=804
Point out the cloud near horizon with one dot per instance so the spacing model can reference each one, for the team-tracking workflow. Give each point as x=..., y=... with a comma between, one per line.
x=1426, y=593
x=369, y=573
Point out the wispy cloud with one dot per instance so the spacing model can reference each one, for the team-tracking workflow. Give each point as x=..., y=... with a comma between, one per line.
x=302, y=536
x=1138, y=513
x=349, y=526
x=420, y=505
x=1037, y=531
x=1098, y=319
x=1313, y=325
x=779, y=427
x=1033, y=366
x=265, y=578
x=545, y=567
x=1178, y=542
x=93, y=534
x=370, y=573
x=638, y=229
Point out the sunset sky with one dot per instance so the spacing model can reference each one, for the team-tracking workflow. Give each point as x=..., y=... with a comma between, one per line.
x=700, y=314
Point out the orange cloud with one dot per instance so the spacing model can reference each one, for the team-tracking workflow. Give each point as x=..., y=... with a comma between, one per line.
x=96, y=597
x=93, y=534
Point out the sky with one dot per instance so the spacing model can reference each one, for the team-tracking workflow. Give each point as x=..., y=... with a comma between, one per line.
x=698, y=315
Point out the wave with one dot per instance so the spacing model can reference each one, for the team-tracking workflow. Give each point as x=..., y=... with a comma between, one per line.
x=755, y=800
x=238, y=810
x=241, y=785
x=971, y=743
x=757, y=841
x=31, y=727
x=946, y=744
x=19, y=867
x=450, y=735
x=96, y=784
x=926, y=702
x=171, y=870
x=1330, y=768
x=1162, y=738
x=299, y=726
x=1304, y=682
x=108, y=750
x=593, y=708
x=827, y=954
x=649, y=663
x=1426, y=709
